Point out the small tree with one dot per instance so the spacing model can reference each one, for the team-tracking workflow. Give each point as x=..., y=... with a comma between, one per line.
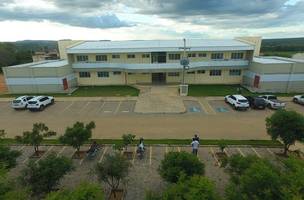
x=113, y=170
x=197, y=187
x=36, y=136
x=222, y=145
x=77, y=135
x=85, y=191
x=127, y=140
x=43, y=176
x=288, y=126
x=8, y=157
x=177, y=163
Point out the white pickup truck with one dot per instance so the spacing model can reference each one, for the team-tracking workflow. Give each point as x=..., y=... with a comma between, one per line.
x=273, y=102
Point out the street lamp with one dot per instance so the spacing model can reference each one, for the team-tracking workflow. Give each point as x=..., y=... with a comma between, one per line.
x=185, y=63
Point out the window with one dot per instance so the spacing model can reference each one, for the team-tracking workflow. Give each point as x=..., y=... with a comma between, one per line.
x=146, y=55
x=237, y=55
x=115, y=56
x=175, y=56
x=82, y=58
x=103, y=74
x=217, y=56
x=173, y=73
x=201, y=71
x=235, y=72
x=131, y=56
x=215, y=72
x=202, y=55
x=192, y=72
x=84, y=74
x=191, y=55
x=116, y=73
x=101, y=58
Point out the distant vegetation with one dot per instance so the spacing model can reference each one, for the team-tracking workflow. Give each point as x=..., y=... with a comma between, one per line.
x=14, y=53
x=285, y=47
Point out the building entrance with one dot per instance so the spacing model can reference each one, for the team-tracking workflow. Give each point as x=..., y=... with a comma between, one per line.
x=158, y=78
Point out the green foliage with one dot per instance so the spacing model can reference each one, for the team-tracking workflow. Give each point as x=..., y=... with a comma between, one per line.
x=194, y=188
x=177, y=163
x=8, y=157
x=78, y=134
x=152, y=196
x=283, y=44
x=113, y=170
x=85, y=191
x=127, y=139
x=2, y=134
x=36, y=136
x=43, y=176
x=287, y=126
x=258, y=179
x=222, y=144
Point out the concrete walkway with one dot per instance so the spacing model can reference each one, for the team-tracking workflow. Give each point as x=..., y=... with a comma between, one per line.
x=159, y=99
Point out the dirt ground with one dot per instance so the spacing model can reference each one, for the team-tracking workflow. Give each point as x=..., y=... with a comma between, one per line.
x=114, y=118
x=143, y=175
x=3, y=87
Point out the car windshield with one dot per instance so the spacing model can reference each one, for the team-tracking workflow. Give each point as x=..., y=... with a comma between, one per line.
x=16, y=101
x=272, y=97
x=259, y=100
x=243, y=101
x=32, y=102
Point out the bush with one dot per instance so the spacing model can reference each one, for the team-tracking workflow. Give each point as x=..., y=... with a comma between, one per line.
x=195, y=188
x=85, y=191
x=177, y=163
x=43, y=176
x=8, y=157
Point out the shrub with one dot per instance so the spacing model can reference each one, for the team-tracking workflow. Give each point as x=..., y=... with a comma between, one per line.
x=176, y=163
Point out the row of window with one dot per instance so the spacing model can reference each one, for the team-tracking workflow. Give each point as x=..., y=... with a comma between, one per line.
x=84, y=58
x=172, y=56
x=99, y=74
x=215, y=72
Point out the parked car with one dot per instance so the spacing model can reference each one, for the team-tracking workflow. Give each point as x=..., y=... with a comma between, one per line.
x=298, y=99
x=21, y=102
x=237, y=101
x=40, y=102
x=273, y=102
x=256, y=102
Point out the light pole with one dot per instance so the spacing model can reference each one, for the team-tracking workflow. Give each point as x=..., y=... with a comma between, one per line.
x=185, y=63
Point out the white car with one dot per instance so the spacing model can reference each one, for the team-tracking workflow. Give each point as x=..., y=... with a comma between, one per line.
x=21, y=102
x=299, y=99
x=273, y=102
x=237, y=101
x=40, y=102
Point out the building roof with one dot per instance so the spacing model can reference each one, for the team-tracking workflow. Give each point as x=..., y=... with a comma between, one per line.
x=44, y=63
x=158, y=45
x=275, y=60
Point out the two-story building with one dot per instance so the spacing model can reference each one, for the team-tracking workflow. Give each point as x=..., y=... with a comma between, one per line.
x=227, y=61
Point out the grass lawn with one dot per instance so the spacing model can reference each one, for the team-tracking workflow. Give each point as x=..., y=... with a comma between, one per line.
x=256, y=143
x=223, y=90
x=93, y=91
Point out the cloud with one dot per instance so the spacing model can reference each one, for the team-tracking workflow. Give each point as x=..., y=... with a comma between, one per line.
x=69, y=18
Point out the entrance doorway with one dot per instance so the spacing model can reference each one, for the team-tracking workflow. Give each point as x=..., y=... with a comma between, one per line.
x=159, y=78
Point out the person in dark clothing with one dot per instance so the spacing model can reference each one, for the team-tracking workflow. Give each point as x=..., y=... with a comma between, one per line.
x=195, y=138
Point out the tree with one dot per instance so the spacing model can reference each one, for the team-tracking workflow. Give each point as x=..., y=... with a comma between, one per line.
x=195, y=188
x=77, y=135
x=36, y=136
x=287, y=126
x=8, y=157
x=222, y=144
x=176, y=163
x=113, y=170
x=127, y=140
x=85, y=191
x=43, y=176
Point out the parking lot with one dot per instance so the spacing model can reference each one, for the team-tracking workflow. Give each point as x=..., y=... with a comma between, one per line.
x=213, y=119
x=143, y=173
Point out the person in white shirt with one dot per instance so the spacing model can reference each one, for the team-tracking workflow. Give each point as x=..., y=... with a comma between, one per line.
x=195, y=145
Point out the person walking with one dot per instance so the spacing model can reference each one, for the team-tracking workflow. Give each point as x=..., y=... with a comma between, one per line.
x=195, y=145
x=195, y=138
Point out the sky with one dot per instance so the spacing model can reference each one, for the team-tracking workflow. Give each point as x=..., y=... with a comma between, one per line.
x=149, y=19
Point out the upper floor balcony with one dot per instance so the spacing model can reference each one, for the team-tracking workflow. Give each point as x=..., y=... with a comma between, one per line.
x=162, y=66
